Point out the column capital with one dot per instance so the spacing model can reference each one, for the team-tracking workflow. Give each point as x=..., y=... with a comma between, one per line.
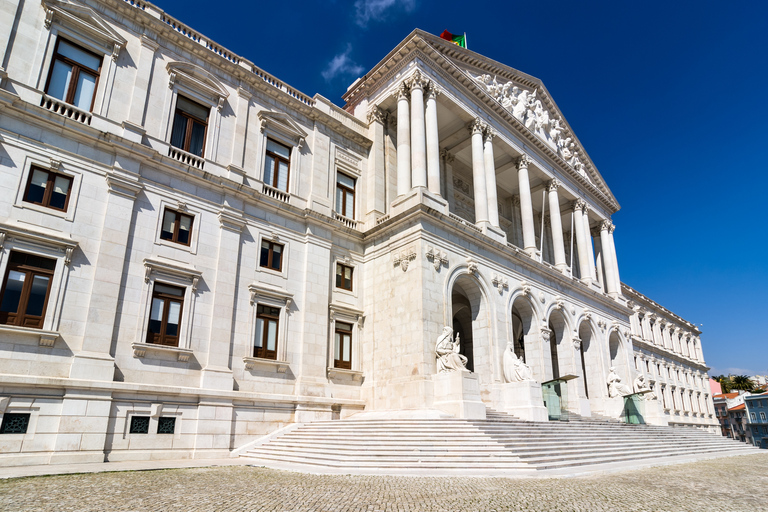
x=523, y=161
x=580, y=205
x=375, y=113
x=418, y=81
x=489, y=133
x=433, y=92
x=553, y=185
x=448, y=156
x=606, y=225
x=516, y=200
x=476, y=126
x=403, y=92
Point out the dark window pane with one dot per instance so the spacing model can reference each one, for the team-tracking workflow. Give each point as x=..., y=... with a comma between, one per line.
x=179, y=132
x=192, y=108
x=197, y=141
x=166, y=425
x=264, y=260
x=37, y=185
x=139, y=425
x=12, y=292
x=166, y=232
x=60, y=77
x=14, y=423
x=86, y=86
x=37, y=295
x=60, y=190
x=277, y=255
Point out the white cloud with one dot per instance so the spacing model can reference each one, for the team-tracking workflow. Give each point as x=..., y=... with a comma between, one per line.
x=342, y=65
x=375, y=10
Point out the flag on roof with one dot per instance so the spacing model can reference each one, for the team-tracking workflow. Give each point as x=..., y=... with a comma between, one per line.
x=458, y=40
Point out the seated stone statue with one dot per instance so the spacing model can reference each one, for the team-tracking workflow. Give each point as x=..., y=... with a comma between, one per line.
x=615, y=386
x=447, y=353
x=515, y=370
x=641, y=385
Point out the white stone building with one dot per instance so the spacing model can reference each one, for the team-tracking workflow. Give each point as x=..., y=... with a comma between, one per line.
x=194, y=254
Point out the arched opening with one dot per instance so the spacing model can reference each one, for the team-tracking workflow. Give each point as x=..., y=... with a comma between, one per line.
x=470, y=321
x=618, y=358
x=462, y=327
x=557, y=349
x=524, y=335
x=590, y=362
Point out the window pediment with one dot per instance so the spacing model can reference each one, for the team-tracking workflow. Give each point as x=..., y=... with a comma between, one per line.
x=38, y=237
x=83, y=20
x=282, y=123
x=261, y=290
x=198, y=80
x=183, y=275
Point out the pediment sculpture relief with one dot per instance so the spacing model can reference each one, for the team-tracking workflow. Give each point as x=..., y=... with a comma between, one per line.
x=530, y=111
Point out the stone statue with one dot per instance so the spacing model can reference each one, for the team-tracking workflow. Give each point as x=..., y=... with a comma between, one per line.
x=615, y=386
x=521, y=105
x=515, y=370
x=447, y=353
x=542, y=117
x=555, y=130
x=641, y=385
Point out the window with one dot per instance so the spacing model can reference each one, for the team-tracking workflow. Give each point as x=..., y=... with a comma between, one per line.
x=190, y=123
x=166, y=424
x=754, y=417
x=14, y=423
x=177, y=227
x=342, y=346
x=343, y=277
x=26, y=288
x=267, y=320
x=139, y=425
x=762, y=416
x=277, y=165
x=165, y=315
x=74, y=74
x=48, y=188
x=271, y=255
x=345, y=195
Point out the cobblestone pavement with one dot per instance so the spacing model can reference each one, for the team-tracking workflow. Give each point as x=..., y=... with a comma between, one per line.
x=733, y=484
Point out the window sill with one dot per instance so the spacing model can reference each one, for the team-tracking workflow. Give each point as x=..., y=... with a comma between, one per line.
x=252, y=363
x=142, y=349
x=335, y=373
x=44, y=338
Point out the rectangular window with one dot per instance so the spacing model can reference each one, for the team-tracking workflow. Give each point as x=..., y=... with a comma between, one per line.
x=177, y=227
x=139, y=425
x=165, y=315
x=277, y=165
x=271, y=255
x=754, y=416
x=343, y=277
x=48, y=188
x=345, y=195
x=74, y=75
x=762, y=416
x=267, y=321
x=14, y=423
x=166, y=424
x=190, y=123
x=342, y=346
x=26, y=287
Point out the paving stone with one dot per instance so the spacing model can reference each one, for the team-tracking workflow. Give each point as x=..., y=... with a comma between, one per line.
x=733, y=483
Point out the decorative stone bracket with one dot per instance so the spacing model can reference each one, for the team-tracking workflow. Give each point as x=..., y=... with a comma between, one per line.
x=500, y=283
x=437, y=257
x=142, y=349
x=334, y=373
x=403, y=258
x=257, y=363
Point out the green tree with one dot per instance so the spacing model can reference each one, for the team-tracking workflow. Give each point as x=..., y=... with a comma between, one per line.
x=725, y=383
x=742, y=382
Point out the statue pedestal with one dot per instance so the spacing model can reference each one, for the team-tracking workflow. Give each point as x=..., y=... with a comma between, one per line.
x=458, y=394
x=654, y=413
x=614, y=407
x=522, y=399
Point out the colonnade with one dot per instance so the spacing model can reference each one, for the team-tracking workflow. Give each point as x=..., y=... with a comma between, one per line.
x=418, y=165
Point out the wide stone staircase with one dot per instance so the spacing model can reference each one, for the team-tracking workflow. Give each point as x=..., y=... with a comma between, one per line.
x=500, y=444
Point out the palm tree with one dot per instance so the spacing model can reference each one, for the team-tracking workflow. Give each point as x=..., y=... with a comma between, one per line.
x=725, y=383
x=742, y=382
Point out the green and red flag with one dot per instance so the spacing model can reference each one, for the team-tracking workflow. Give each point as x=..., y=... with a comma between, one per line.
x=457, y=40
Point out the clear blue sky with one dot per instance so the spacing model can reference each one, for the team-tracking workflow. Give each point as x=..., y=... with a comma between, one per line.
x=669, y=99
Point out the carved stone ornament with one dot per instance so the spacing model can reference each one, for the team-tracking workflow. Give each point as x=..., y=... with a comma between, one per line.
x=449, y=157
x=525, y=288
x=559, y=303
x=377, y=114
x=476, y=126
x=402, y=92
x=403, y=258
x=523, y=161
x=418, y=81
x=437, y=257
x=606, y=225
x=433, y=92
x=545, y=335
x=553, y=185
x=500, y=283
x=601, y=324
x=579, y=205
x=542, y=297
x=471, y=266
x=576, y=343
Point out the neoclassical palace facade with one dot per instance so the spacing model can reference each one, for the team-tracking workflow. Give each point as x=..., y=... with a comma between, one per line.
x=194, y=254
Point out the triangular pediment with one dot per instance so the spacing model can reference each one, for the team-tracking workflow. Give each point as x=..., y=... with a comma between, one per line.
x=83, y=20
x=198, y=79
x=282, y=123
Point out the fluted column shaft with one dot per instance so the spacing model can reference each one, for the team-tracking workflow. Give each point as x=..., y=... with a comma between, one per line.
x=433, y=142
x=557, y=225
x=478, y=172
x=608, y=263
x=526, y=206
x=616, y=276
x=490, y=179
x=418, y=134
x=590, y=248
x=403, y=142
x=581, y=242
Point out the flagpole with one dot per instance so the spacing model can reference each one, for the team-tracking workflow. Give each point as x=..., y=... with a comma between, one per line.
x=465, y=41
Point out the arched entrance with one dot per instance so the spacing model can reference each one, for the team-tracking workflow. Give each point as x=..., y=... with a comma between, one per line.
x=590, y=367
x=618, y=358
x=462, y=326
x=525, y=337
x=470, y=319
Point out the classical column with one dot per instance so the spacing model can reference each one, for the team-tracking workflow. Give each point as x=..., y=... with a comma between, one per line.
x=241, y=127
x=418, y=133
x=433, y=142
x=615, y=259
x=140, y=88
x=589, y=244
x=581, y=241
x=478, y=171
x=557, y=225
x=490, y=178
x=403, y=141
x=526, y=206
x=609, y=273
x=448, y=158
x=376, y=181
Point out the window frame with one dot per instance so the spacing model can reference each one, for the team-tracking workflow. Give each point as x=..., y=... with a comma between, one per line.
x=52, y=175
x=343, y=313
x=343, y=334
x=340, y=283
x=262, y=352
x=30, y=272
x=270, y=254
x=345, y=188
x=277, y=159
x=190, y=120
x=76, y=68
x=267, y=295
x=175, y=234
x=167, y=298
